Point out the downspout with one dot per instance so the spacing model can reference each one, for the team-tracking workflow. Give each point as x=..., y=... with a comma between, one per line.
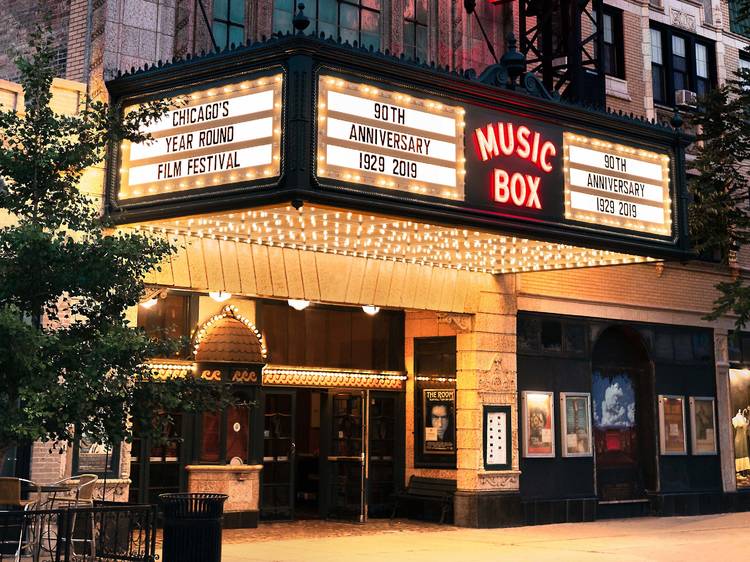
x=87, y=47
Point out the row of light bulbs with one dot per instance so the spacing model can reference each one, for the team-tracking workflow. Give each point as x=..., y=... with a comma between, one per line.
x=348, y=233
x=296, y=304
x=302, y=304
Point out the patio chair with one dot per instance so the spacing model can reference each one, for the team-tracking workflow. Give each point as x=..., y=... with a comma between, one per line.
x=10, y=496
x=81, y=494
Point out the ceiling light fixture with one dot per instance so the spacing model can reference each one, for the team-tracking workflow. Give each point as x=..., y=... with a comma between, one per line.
x=150, y=302
x=370, y=309
x=298, y=304
x=220, y=296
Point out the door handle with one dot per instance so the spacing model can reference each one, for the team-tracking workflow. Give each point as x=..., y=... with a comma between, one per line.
x=292, y=449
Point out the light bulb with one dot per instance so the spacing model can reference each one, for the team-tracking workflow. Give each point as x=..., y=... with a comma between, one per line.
x=370, y=309
x=149, y=303
x=298, y=304
x=220, y=296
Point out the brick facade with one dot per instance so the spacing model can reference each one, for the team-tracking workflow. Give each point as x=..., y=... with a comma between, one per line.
x=480, y=310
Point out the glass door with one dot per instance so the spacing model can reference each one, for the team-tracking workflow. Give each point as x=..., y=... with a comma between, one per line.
x=381, y=452
x=346, y=458
x=156, y=467
x=277, y=494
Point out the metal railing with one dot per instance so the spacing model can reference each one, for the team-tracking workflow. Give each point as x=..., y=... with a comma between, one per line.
x=104, y=533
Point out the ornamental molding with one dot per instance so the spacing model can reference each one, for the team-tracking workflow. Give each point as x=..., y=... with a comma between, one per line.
x=682, y=20
x=461, y=323
x=506, y=480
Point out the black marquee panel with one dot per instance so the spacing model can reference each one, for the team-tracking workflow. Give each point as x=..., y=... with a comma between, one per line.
x=517, y=147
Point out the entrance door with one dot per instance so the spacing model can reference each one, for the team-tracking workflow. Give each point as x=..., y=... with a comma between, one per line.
x=383, y=470
x=157, y=468
x=623, y=420
x=277, y=494
x=346, y=458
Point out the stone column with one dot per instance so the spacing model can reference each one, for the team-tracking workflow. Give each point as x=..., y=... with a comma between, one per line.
x=486, y=364
x=724, y=411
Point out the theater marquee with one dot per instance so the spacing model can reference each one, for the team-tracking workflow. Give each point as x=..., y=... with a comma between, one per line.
x=217, y=136
x=388, y=139
x=318, y=125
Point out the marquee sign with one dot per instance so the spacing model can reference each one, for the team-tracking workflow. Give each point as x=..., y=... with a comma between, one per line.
x=390, y=140
x=217, y=136
x=616, y=185
x=368, y=132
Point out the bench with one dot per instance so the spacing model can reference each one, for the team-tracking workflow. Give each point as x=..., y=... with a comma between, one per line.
x=427, y=491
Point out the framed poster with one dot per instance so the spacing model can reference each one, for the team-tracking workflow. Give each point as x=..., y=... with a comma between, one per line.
x=497, y=438
x=703, y=425
x=672, y=437
x=538, y=423
x=439, y=407
x=575, y=424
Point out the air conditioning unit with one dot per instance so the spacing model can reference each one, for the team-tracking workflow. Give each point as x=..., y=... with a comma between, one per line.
x=685, y=98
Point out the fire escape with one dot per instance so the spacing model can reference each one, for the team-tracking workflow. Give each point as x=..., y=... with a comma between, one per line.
x=562, y=42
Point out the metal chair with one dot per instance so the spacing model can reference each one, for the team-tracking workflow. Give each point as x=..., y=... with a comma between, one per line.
x=81, y=494
x=10, y=495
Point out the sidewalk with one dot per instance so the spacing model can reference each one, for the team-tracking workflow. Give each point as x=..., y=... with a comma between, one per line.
x=662, y=539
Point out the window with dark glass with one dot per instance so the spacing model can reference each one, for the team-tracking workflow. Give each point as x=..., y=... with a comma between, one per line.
x=168, y=318
x=229, y=23
x=657, y=66
x=416, y=24
x=738, y=23
x=349, y=20
x=613, y=56
x=680, y=61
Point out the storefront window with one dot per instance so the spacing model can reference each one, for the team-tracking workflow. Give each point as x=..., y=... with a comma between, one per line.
x=739, y=381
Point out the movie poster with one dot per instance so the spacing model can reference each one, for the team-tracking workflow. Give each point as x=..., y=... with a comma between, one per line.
x=576, y=424
x=672, y=418
x=539, y=424
x=439, y=407
x=702, y=420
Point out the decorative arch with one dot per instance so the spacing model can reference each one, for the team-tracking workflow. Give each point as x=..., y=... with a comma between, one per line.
x=229, y=337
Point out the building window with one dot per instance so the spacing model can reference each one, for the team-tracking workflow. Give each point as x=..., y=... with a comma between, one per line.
x=349, y=20
x=167, y=319
x=744, y=65
x=416, y=24
x=613, y=59
x=738, y=23
x=680, y=61
x=229, y=23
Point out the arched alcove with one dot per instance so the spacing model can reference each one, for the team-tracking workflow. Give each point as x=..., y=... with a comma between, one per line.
x=624, y=426
x=229, y=337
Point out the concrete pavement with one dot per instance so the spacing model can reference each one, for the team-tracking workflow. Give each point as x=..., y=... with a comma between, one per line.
x=715, y=537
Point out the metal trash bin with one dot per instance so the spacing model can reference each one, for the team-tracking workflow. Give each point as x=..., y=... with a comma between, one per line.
x=192, y=527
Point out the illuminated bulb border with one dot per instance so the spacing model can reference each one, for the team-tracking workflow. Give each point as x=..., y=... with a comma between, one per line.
x=327, y=83
x=226, y=177
x=348, y=233
x=572, y=139
x=229, y=311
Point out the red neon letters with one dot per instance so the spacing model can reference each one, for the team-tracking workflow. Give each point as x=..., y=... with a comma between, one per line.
x=503, y=138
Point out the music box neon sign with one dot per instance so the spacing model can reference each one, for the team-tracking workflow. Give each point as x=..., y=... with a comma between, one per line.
x=495, y=139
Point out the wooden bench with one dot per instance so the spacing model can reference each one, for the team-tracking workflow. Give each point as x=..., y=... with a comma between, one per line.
x=427, y=491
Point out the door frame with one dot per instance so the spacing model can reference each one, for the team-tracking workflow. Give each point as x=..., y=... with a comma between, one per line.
x=260, y=447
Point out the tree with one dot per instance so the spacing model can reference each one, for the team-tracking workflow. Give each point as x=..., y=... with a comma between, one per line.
x=719, y=214
x=68, y=361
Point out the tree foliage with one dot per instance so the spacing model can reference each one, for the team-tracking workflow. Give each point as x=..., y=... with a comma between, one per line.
x=720, y=211
x=67, y=356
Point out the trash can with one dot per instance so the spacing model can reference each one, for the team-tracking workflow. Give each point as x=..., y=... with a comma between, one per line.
x=192, y=527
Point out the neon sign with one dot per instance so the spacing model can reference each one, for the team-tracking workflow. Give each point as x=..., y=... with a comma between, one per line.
x=496, y=139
